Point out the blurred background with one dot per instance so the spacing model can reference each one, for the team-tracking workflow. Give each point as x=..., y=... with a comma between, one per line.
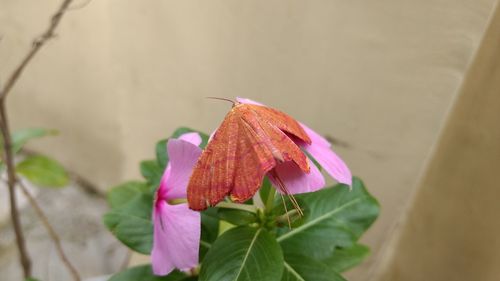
x=408, y=90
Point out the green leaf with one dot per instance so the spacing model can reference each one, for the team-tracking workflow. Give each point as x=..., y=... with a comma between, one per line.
x=151, y=171
x=335, y=217
x=43, y=171
x=127, y=192
x=243, y=254
x=182, y=130
x=31, y=279
x=161, y=153
x=135, y=232
x=145, y=273
x=130, y=217
x=346, y=258
x=302, y=268
x=265, y=190
x=21, y=137
x=209, y=230
x=225, y=226
x=236, y=217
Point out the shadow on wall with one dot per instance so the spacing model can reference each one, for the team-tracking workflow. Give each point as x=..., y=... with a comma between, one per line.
x=452, y=231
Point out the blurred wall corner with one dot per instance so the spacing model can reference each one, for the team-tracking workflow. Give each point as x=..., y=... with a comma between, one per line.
x=451, y=229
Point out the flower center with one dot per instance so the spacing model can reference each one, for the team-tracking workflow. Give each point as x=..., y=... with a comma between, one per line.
x=177, y=201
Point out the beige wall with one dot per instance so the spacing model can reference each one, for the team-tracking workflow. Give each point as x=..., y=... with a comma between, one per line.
x=379, y=75
x=452, y=229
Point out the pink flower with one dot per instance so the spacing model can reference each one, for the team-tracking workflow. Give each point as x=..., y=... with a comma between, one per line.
x=295, y=179
x=177, y=229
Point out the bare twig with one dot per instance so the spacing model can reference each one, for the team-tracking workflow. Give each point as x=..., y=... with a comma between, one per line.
x=52, y=233
x=7, y=142
x=79, y=6
x=35, y=47
x=11, y=181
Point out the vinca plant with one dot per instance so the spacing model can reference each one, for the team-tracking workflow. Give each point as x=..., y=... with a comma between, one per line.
x=271, y=219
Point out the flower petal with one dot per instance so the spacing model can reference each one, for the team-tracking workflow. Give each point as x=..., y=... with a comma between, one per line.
x=176, y=238
x=161, y=192
x=332, y=163
x=247, y=101
x=192, y=137
x=316, y=139
x=183, y=156
x=295, y=180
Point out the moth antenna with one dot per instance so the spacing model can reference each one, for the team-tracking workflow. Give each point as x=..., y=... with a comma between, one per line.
x=224, y=99
x=286, y=211
x=294, y=203
x=283, y=188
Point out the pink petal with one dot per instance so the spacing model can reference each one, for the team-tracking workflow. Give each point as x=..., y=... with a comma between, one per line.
x=193, y=138
x=176, y=238
x=183, y=156
x=316, y=139
x=247, y=101
x=321, y=150
x=295, y=180
x=332, y=164
x=161, y=192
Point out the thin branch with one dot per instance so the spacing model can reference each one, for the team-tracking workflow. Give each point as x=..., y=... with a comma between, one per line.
x=52, y=233
x=7, y=142
x=35, y=47
x=11, y=181
x=79, y=6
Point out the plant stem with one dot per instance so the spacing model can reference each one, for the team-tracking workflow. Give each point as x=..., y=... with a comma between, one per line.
x=270, y=200
x=52, y=233
x=286, y=216
x=35, y=47
x=11, y=182
x=38, y=43
x=244, y=207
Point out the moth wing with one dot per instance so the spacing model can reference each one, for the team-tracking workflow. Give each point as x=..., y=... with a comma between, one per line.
x=213, y=174
x=284, y=145
x=281, y=121
x=261, y=146
x=254, y=160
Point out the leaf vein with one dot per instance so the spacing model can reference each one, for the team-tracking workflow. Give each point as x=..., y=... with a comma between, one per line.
x=294, y=273
x=317, y=220
x=247, y=253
